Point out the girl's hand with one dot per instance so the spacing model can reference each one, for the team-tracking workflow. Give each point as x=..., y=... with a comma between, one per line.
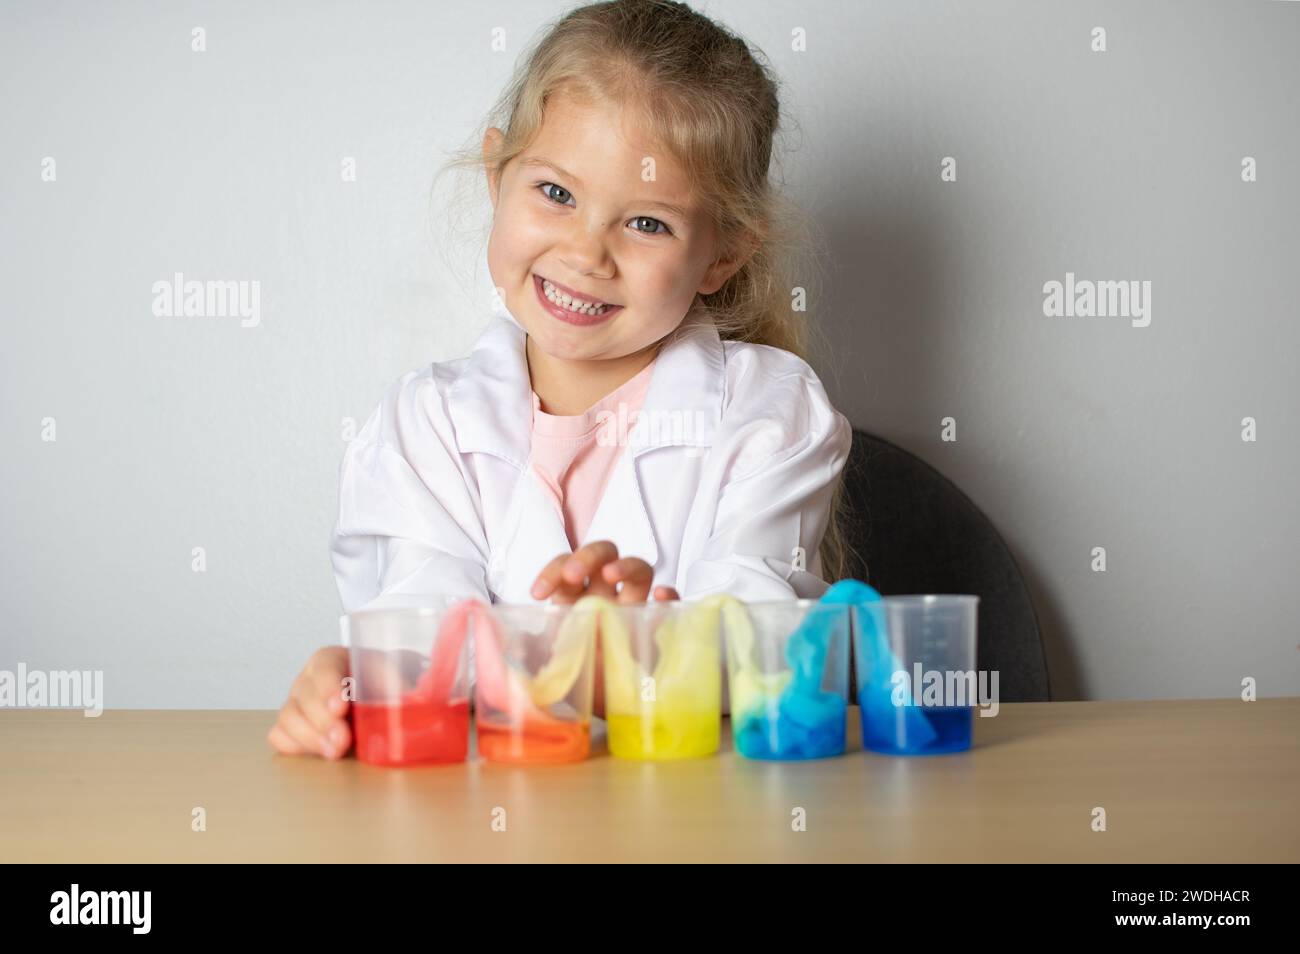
x=314, y=719
x=596, y=569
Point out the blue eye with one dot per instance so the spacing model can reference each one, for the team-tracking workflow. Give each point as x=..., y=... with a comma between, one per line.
x=646, y=218
x=547, y=186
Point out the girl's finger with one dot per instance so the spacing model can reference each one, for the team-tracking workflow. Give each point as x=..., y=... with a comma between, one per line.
x=551, y=579
x=312, y=703
x=599, y=584
x=665, y=593
x=328, y=683
x=581, y=575
x=299, y=728
x=335, y=737
x=586, y=562
x=635, y=574
x=568, y=592
x=282, y=742
x=341, y=738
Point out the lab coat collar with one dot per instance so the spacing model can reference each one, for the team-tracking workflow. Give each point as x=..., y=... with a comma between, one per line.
x=490, y=401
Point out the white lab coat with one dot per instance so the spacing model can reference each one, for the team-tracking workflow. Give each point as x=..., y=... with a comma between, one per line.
x=729, y=469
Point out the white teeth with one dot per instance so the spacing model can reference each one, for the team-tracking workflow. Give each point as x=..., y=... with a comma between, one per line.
x=569, y=303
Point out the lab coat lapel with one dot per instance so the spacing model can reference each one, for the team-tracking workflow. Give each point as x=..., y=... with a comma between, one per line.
x=680, y=413
x=534, y=536
x=621, y=514
x=490, y=403
x=491, y=400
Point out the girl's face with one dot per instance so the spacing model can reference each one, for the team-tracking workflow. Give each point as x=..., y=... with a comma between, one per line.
x=594, y=207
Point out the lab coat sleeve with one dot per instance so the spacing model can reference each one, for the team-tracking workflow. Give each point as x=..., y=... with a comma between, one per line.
x=408, y=532
x=780, y=470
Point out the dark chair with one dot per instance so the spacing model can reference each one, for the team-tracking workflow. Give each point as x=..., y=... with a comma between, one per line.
x=914, y=531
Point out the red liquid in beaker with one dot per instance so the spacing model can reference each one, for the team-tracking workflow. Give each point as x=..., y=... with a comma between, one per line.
x=411, y=731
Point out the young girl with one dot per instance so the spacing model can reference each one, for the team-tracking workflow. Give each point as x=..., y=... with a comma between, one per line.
x=636, y=419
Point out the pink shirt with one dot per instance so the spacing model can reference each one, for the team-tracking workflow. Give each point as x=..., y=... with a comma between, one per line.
x=575, y=454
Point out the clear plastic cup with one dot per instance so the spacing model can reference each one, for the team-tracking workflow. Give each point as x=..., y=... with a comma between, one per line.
x=662, y=679
x=534, y=669
x=397, y=716
x=788, y=678
x=917, y=682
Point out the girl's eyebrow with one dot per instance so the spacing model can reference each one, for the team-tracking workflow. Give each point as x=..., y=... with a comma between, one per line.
x=677, y=210
x=540, y=161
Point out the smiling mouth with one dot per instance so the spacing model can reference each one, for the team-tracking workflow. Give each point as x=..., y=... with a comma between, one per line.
x=569, y=307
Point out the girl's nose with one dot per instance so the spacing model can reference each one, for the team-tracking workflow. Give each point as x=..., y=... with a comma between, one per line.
x=587, y=252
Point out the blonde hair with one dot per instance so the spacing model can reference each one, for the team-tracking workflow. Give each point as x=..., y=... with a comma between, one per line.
x=708, y=102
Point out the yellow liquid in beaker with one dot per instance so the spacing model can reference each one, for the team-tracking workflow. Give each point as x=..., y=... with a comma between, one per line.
x=665, y=732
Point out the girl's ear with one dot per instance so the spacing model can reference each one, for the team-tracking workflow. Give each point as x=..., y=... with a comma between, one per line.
x=722, y=269
x=491, y=142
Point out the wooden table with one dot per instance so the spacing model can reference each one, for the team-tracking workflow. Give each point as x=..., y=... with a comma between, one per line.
x=1204, y=780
